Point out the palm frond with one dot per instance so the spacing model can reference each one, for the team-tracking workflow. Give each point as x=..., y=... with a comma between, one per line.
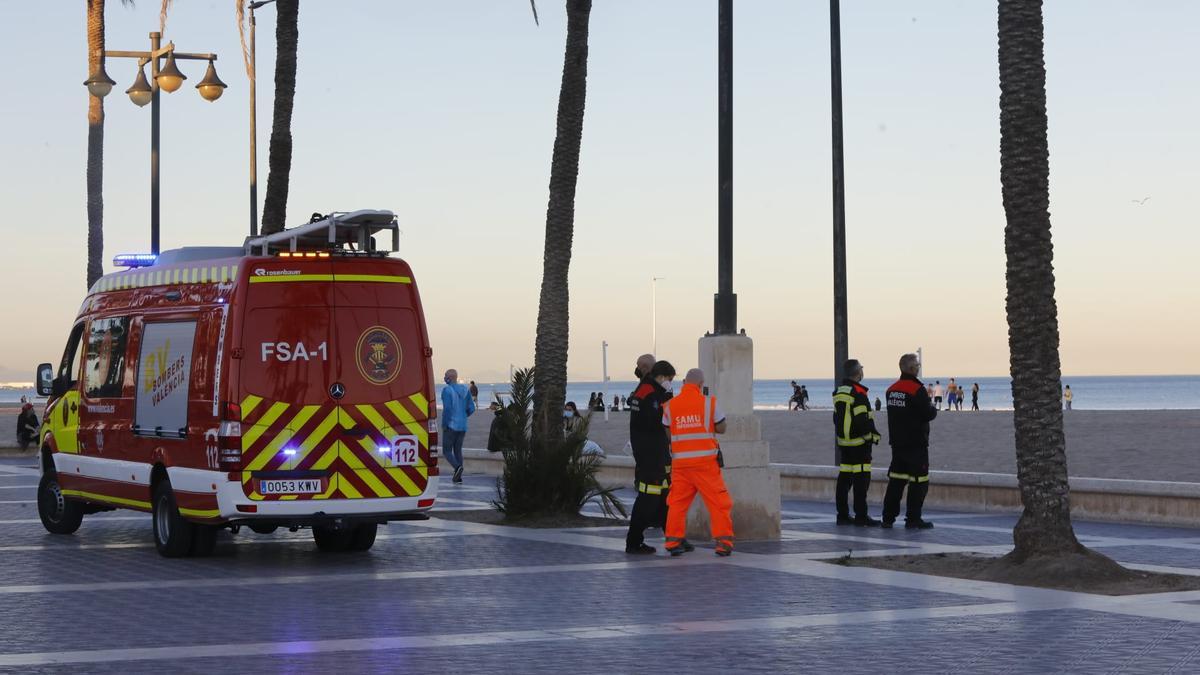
x=240, y=11
x=163, y=10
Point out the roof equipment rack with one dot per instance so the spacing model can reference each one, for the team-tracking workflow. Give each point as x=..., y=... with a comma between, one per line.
x=335, y=230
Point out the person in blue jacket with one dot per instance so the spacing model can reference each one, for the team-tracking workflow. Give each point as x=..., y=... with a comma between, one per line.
x=457, y=406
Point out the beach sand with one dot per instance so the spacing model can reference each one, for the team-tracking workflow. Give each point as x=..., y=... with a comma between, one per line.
x=1134, y=444
x=1100, y=443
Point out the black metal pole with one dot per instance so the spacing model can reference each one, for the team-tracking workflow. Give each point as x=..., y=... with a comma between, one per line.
x=155, y=39
x=725, y=302
x=841, y=350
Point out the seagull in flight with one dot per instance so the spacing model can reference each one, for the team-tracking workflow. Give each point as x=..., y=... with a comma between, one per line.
x=1140, y=202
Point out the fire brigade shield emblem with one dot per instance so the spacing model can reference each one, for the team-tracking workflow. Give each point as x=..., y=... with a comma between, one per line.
x=379, y=355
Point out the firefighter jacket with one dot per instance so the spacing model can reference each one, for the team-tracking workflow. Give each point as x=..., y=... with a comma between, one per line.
x=692, y=418
x=651, y=446
x=853, y=421
x=909, y=414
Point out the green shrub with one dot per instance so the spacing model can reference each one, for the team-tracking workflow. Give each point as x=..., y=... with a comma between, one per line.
x=545, y=478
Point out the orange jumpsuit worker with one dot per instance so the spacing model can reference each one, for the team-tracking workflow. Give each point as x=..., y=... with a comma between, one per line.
x=694, y=420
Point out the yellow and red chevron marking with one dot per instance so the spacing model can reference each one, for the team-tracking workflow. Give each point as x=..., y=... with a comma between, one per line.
x=278, y=436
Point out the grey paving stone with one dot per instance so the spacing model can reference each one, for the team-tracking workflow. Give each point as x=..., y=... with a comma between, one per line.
x=1082, y=642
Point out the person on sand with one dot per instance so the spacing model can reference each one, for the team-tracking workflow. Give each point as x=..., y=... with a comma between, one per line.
x=794, y=401
x=937, y=393
x=27, y=425
x=474, y=393
x=651, y=451
x=1068, y=396
x=803, y=397
x=975, y=396
x=909, y=414
x=951, y=396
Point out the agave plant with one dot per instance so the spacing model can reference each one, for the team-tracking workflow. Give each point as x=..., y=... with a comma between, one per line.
x=545, y=477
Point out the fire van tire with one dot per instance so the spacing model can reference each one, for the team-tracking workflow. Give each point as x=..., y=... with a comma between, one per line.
x=204, y=540
x=172, y=532
x=59, y=515
x=363, y=537
x=332, y=540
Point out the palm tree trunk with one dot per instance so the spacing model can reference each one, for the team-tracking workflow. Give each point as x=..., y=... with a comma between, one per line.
x=95, y=148
x=1044, y=532
x=279, y=162
x=550, y=349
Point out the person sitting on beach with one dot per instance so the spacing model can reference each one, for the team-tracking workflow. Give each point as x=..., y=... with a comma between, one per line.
x=27, y=426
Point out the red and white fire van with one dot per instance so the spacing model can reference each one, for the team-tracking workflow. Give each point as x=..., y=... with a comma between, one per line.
x=283, y=383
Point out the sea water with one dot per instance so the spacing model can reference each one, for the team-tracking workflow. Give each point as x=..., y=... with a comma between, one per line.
x=1092, y=392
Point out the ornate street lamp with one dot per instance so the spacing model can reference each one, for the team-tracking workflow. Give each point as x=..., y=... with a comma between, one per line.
x=145, y=90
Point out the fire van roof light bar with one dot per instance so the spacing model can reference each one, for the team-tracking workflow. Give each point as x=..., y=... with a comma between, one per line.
x=332, y=231
x=132, y=260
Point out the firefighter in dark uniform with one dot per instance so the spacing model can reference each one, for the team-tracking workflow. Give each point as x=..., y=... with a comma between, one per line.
x=909, y=413
x=854, y=426
x=651, y=451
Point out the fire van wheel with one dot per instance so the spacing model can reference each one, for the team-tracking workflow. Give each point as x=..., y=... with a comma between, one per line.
x=204, y=540
x=59, y=515
x=172, y=533
x=363, y=537
x=332, y=540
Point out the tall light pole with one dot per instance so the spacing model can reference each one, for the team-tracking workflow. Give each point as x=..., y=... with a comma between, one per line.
x=841, y=348
x=654, y=314
x=725, y=301
x=604, y=374
x=254, y=122
x=168, y=78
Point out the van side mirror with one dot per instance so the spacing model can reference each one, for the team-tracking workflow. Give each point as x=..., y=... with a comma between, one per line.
x=45, y=379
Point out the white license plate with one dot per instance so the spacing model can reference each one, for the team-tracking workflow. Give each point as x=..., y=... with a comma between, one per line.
x=290, y=486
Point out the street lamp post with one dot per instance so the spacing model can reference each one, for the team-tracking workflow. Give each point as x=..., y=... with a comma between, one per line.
x=841, y=348
x=654, y=314
x=142, y=92
x=604, y=374
x=725, y=301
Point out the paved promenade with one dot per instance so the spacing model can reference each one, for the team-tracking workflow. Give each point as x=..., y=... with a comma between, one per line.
x=1100, y=443
x=450, y=597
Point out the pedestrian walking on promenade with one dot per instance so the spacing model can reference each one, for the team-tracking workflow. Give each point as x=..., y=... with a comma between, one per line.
x=975, y=396
x=651, y=448
x=909, y=414
x=1068, y=397
x=457, y=406
x=694, y=420
x=855, y=434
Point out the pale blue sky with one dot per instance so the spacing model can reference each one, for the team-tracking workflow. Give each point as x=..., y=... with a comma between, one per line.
x=444, y=112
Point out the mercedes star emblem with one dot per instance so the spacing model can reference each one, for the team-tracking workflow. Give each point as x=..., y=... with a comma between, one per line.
x=337, y=390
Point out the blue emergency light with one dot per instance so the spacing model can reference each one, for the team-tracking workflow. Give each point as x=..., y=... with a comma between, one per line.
x=134, y=260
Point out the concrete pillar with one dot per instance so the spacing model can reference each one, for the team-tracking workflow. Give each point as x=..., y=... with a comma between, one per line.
x=728, y=365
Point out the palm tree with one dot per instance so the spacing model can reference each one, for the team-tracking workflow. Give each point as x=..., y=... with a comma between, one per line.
x=95, y=147
x=279, y=162
x=1043, y=537
x=550, y=347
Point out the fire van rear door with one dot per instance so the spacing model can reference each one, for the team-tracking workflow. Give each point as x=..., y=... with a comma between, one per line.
x=380, y=357
x=289, y=417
